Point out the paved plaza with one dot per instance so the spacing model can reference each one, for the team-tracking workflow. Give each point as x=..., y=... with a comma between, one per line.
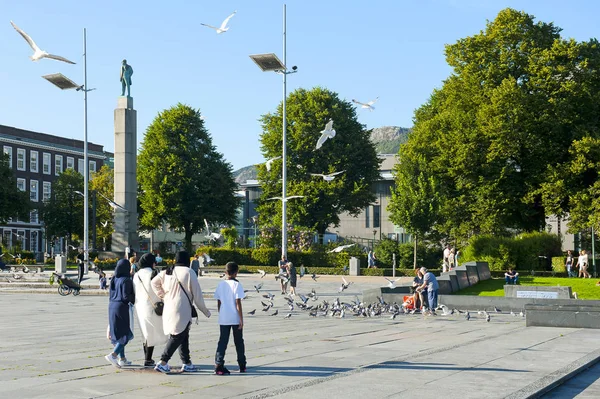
x=54, y=347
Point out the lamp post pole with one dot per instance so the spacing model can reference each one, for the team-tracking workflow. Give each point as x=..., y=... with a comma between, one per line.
x=85, y=157
x=594, y=252
x=284, y=152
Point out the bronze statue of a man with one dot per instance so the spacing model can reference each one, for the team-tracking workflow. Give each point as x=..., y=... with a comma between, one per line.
x=126, y=72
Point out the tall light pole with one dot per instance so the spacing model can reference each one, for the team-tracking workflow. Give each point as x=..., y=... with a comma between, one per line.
x=64, y=83
x=270, y=62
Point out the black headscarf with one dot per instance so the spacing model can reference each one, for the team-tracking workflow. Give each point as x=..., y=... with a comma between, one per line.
x=182, y=258
x=147, y=260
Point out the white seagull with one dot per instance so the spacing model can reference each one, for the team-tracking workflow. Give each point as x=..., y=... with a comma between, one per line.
x=368, y=105
x=269, y=162
x=327, y=133
x=392, y=284
x=209, y=234
x=104, y=224
x=223, y=27
x=328, y=177
x=341, y=248
x=38, y=53
x=286, y=198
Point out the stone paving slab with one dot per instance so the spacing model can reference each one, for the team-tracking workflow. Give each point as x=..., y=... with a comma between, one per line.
x=54, y=347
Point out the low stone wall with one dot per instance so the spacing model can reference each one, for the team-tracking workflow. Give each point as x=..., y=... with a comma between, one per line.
x=580, y=315
x=473, y=302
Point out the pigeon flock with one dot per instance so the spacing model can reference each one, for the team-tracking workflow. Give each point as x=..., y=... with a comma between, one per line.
x=295, y=306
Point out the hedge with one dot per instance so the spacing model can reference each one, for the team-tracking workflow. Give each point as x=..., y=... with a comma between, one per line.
x=521, y=252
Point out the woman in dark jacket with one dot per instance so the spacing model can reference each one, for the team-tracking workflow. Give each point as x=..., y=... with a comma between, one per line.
x=121, y=296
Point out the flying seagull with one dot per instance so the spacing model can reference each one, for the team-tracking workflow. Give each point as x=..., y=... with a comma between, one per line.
x=328, y=177
x=368, y=105
x=327, y=133
x=341, y=248
x=270, y=162
x=286, y=198
x=392, y=283
x=38, y=53
x=104, y=224
x=223, y=27
x=209, y=234
x=262, y=273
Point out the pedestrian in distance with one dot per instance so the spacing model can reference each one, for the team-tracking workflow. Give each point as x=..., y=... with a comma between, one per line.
x=179, y=289
x=229, y=295
x=121, y=297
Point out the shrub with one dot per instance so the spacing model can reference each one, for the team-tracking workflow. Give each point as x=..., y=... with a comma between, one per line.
x=230, y=234
x=558, y=264
x=427, y=255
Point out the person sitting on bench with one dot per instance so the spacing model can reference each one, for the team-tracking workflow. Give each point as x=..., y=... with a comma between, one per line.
x=511, y=276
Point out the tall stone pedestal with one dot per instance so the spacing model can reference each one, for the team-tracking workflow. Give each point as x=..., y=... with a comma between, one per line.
x=125, y=223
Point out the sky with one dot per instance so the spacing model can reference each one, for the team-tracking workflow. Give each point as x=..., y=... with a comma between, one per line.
x=391, y=49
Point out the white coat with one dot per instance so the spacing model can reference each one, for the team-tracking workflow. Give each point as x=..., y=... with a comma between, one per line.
x=178, y=312
x=150, y=323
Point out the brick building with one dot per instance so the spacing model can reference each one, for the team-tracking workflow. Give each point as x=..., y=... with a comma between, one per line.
x=37, y=160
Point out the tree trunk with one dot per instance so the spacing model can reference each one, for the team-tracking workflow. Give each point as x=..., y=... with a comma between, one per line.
x=188, y=239
x=415, y=253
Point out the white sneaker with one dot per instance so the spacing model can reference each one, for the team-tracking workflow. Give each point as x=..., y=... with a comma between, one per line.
x=188, y=367
x=124, y=362
x=162, y=369
x=112, y=360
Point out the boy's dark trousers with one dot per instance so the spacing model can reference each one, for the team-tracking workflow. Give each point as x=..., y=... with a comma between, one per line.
x=181, y=341
x=238, y=339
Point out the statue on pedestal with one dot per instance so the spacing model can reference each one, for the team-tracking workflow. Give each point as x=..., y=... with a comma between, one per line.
x=126, y=72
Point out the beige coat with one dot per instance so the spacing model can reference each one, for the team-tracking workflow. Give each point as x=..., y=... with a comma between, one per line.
x=177, y=312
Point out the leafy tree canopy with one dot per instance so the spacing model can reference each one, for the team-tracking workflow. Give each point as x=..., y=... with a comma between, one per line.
x=103, y=183
x=350, y=151
x=63, y=212
x=182, y=178
x=486, y=142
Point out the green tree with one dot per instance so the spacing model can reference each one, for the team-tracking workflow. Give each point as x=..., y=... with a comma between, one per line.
x=103, y=183
x=13, y=202
x=518, y=97
x=350, y=151
x=63, y=212
x=182, y=177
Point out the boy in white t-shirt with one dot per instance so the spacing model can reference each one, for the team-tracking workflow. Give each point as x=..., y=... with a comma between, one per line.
x=229, y=295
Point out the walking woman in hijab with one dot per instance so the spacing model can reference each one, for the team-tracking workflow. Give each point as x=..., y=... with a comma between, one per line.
x=148, y=307
x=178, y=287
x=121, y=296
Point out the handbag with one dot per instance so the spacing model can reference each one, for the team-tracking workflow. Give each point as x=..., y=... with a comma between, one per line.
x=194, y=311
x=158, y=306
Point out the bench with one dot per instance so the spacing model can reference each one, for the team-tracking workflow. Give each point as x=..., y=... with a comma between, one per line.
x=211, y=269
x=31, y=268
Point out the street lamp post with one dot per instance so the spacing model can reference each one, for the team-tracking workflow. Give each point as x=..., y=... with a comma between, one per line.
x=594, y=252
x=270, y=62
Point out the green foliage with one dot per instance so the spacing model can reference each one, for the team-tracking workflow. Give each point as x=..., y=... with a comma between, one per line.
x=103, y=183
x=13, y=202
x=350, y=151
x=559, y=264
x=231, y=235
x=428, y=255
x=502, y=124
x=182, y=177
x=521, y=252
x=63, y=212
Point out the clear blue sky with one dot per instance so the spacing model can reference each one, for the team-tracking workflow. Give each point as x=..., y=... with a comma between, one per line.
x=361, y=49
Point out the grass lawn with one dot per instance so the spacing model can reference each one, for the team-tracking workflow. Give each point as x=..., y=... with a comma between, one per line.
x=585, y=288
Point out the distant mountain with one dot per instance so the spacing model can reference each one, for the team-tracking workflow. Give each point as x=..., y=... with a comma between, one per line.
x=245, y=173
x=387, y=140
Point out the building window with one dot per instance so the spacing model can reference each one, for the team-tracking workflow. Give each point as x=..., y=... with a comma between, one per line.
x=21, y=184
x=92, y=168
x=33, y=190
x=70, y=163
x=46, y=163
x=7, y=238
x=8, y=151
x=376, y=216
x=21, y=238
x=21, y=159
x=34, y=241
x=47, y=191
x=33, y=161
x=80, y=166
x=58, y=165
x=33, y=217
x=367, y=218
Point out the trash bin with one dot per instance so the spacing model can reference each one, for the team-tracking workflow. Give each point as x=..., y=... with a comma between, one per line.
x=60, y=264
x=354, y=266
